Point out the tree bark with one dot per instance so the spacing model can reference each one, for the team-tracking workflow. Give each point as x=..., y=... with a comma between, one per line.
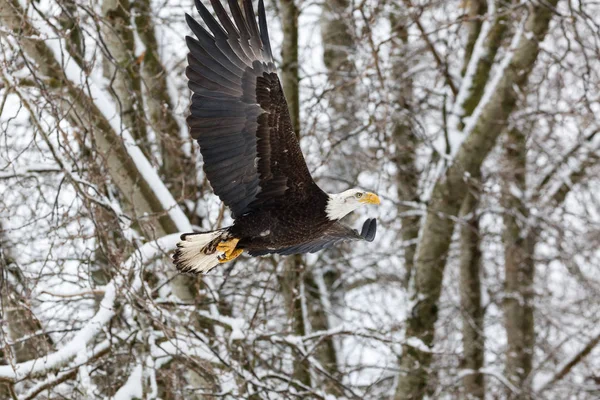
x=326, y=352
x=339, y=49
x=291, y=281
x=338, y=46
x=406, y=142
x=289, y=55
x=519, y=266
x=470, y=296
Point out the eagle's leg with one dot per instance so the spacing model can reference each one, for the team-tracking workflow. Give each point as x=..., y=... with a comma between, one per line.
x=228, y=257
x=228, y=247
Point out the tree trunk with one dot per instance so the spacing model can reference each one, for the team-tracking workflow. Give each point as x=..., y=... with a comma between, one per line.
x=291, y=282
x=519, y=244
x=326, y=352
x=470, y=296
x=289, y=56
x=406, y=143
x=338, y=47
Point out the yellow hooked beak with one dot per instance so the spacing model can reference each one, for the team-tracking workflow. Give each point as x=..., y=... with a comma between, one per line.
x=370, y=198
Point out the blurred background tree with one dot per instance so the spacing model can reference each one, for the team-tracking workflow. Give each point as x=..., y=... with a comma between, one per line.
x=476, y=121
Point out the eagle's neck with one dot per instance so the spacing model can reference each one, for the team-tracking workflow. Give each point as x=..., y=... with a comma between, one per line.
x=338, y=206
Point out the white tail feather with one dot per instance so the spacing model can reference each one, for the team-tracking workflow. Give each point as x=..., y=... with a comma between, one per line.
x=191, y=255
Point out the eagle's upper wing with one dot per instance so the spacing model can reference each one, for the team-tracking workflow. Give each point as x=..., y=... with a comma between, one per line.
x=335, y=234
x=239, y=115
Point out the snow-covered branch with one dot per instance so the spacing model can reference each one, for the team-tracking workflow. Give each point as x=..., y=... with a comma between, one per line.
x=106, y=311
x=94, y=105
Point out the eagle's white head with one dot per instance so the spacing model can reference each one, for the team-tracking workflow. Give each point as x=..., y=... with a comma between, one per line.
x=339, y=205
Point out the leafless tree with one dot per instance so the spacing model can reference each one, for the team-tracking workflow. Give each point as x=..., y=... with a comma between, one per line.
x=476, y=121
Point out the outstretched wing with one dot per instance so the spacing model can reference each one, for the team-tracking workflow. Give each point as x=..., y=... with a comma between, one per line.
x=337, y=233
x=239, y=115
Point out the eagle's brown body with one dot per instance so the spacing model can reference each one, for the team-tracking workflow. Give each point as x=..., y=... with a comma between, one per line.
x=281, y=226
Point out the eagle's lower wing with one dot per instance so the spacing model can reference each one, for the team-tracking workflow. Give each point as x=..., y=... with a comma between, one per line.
x=337, y=233
x=239, y=114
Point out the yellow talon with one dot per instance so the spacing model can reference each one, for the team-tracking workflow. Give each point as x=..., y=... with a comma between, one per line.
x=228, y=257
x=228, y=246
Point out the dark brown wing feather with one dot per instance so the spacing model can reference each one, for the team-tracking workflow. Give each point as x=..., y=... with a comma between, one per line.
x=239, y=115
x=336, y=233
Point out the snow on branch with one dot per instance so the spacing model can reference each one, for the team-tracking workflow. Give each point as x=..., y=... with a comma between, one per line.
x=491, y=89
x=479, y=51
x=132, y=389
x=76, y=344
x=55, y=379
x=106, y=311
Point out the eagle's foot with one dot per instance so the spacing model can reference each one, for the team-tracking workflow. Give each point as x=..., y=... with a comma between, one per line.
x=231, y=256
x=228, y=246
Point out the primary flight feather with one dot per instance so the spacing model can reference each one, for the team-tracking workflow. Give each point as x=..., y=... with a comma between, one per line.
x=240, y=118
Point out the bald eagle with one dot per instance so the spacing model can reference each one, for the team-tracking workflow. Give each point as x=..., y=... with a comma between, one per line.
x=252, y=158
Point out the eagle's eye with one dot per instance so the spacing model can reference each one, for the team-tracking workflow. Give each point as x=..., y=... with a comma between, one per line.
x=359, y=195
